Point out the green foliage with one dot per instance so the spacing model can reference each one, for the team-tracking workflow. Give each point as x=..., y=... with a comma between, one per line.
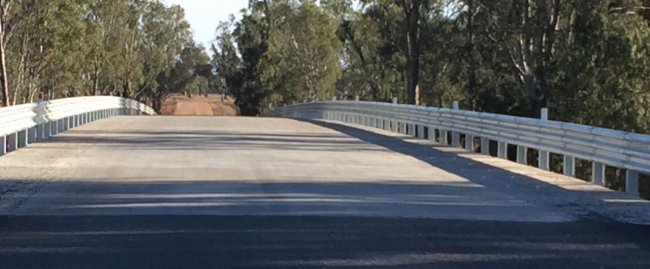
x=280, y=51
x=131, y=47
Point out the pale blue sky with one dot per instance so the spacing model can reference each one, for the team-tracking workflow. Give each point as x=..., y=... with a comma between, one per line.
x=205, y=15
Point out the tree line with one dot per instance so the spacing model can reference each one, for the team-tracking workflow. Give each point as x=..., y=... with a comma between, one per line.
x=586, y=61
x=137, y=48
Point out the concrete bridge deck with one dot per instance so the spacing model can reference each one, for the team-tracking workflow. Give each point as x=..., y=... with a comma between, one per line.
x=226, y=192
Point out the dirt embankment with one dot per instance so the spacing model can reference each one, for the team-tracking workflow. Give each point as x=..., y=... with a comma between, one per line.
x=199, y=105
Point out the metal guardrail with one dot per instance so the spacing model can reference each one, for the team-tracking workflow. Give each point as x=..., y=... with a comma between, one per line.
x=28, y=123
x=603, y=147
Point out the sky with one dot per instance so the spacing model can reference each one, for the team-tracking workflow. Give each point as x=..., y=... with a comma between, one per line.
x=205, y=15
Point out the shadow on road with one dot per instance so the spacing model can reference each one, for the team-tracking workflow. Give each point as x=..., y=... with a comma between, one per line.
x=313, y=242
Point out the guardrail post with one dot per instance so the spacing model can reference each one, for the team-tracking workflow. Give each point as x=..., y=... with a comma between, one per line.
x=5, y=145
x=598, y=173
x=543, y=158
x=469, y=142
x=40, y=132
x=47, y=129
x=432, y=133
x=394, y=100
x=54, y=127
x=420, y=131
x=502, y=150
x=22, y=138
x=569, y=166
x=443, y=137
x=12, y=142
x=485, y=145
x=632, y=182
x=32, y=133
x=356, y=98
x=522, y=154
x=411, y=129
x=455, y=136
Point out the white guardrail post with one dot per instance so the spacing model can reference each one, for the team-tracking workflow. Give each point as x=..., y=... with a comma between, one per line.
x=602, y=147
x=24, y=124
x=543, y=158
x=455, y=136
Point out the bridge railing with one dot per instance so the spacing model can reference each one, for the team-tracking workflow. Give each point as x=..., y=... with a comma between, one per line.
x=23, y=124
x=603, y=147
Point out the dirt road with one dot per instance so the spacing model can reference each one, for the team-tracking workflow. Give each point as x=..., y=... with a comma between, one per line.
x=199, y=105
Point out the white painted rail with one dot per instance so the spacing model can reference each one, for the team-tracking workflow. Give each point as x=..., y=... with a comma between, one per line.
x=603, y=147
x=28, y=123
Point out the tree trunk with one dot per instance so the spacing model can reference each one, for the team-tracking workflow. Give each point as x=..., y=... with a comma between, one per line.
x=412, y=16
x=156, y=104
x=3, y=69
x=471, y=80
x=95, y=79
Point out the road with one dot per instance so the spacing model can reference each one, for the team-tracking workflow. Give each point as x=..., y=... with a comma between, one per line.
x=229, y=192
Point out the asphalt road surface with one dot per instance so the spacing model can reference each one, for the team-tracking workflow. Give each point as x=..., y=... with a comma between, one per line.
x=226, y=192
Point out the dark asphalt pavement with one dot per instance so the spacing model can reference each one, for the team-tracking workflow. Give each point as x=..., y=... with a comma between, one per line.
x=315, y=242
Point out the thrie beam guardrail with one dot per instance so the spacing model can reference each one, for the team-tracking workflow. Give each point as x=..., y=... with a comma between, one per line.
x=601, y=146
x=23, y=124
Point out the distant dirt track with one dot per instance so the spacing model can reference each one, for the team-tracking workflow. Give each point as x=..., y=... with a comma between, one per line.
x=199, y=105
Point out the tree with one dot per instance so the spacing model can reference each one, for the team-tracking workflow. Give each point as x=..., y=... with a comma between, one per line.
x=11, y=16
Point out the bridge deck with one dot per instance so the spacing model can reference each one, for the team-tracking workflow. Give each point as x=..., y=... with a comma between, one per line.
x=150, y=178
